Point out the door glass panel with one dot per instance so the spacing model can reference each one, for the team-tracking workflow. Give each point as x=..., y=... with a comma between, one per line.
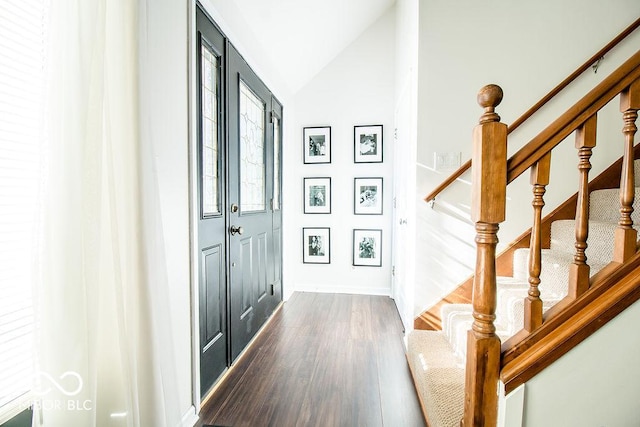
x=276, y=163
x=210, y=152
x=252, y=144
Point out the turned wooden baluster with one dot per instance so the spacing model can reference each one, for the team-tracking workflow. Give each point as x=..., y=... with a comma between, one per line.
x=533, y=303
x=489, y=180
x=626, y=235
x=579, y=269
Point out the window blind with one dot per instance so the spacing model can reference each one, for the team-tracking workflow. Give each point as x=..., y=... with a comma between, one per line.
x=22, y=95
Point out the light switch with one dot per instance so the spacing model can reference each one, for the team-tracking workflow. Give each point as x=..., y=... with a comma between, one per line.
x=449, y=160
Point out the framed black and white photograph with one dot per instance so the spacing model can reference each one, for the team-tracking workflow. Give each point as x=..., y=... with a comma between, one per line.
x=316, y=245
x=367, y=143
x=367, y=193
x=367, y=247
x=317, y=195
x=317, y=144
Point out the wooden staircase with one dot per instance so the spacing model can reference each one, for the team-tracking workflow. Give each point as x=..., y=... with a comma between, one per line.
x=458, y=381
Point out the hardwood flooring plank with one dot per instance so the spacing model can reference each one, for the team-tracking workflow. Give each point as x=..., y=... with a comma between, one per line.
x=396, y=385
x=364, y=392
x=242, y=367
x=251, y=390
x=361, y=318
x=324, y=400
x=286, y=392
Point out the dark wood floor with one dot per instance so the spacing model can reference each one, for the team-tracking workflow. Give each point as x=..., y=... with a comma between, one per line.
x=324, y=360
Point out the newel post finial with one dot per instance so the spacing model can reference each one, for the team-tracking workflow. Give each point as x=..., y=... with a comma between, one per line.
x=489, y=97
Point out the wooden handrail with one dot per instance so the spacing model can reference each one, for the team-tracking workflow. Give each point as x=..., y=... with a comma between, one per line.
x=584, y=67
x=563, y=84
x=575, y=116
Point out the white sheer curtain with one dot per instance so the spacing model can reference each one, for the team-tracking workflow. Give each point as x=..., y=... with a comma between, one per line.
x=104, y=353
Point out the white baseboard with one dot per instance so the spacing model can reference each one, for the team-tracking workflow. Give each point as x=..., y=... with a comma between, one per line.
x=190, y=418
x=332, y=289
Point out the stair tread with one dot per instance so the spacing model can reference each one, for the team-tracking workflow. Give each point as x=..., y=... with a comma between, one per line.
x=438, y=376
x=600, y=242
x=604, y=205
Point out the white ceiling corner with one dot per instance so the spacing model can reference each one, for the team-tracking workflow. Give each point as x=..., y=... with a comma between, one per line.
x=301, y=37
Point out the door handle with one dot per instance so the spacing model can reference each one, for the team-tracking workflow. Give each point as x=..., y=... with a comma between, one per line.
x=236, y=230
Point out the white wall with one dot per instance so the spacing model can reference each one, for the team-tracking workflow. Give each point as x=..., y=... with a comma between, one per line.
x=595, y=384
x=356, y=88
x=406, y=47
x=164, y=135
x=527, y=48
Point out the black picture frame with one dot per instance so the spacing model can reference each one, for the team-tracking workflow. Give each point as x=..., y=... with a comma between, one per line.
x=367, y=247
x=316, y=144
x=368, y=195
x=317, y=195
x=316, y=245
x=368, y=144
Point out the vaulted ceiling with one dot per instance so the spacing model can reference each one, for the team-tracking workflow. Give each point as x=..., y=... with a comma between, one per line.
x=303, y=36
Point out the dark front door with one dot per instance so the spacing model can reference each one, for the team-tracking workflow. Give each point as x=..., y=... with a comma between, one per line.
x=254, y=255
x=211, y=190
x=239, y=225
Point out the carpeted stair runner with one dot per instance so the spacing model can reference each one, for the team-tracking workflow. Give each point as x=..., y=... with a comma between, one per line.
x=437, y=358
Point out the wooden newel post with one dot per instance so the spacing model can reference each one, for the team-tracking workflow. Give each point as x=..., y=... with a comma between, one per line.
x=489, y=188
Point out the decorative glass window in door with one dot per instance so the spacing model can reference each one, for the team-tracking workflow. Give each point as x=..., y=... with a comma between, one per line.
x=252, y=151
x=210, y=152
